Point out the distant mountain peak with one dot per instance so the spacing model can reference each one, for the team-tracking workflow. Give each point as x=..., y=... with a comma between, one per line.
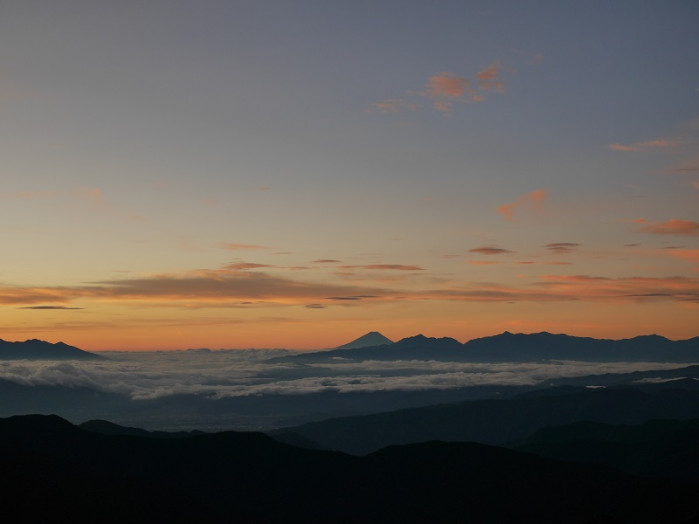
x=373, y=338
x=35, y=349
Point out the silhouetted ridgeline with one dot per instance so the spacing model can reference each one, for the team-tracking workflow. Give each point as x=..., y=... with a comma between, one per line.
x=40, y=350
x=52, y=469
x=519, y=348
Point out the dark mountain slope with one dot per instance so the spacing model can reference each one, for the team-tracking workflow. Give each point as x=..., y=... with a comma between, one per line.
x=499, y=421
x=661, y=448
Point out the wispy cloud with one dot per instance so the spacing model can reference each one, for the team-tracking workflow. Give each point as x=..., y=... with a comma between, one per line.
x=241, y=266
x=51, y=307
x=575, y=288
x=688, y=166
x=671, y=227
x=482, y=262
x=562, y=248
x=532, y=200
x=490, y=250
x=241, y=247
x=385, y=267
x=657, y=144
x=229, y=286
x=236, y=286
x=586, y=287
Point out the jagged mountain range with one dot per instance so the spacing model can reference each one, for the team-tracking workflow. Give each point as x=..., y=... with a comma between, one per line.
x=518, y=347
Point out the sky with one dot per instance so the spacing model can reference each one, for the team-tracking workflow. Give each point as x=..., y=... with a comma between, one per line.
x=273, y=174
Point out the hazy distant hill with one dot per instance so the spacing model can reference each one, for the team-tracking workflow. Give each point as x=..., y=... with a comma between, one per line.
x=501, y=421
x=520, y=347
x=40, y=350
x=52, y=468
x=371, y=339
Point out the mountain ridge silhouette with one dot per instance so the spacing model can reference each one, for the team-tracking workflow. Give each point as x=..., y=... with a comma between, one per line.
x=518, y=347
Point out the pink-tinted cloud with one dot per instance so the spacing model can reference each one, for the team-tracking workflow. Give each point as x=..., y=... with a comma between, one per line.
x=447, y=85
x=490, y=250
x=446, y=88
x=489, y=78
x=685, y=254
x=532, y=200
x=658, y=144
x=671, y=227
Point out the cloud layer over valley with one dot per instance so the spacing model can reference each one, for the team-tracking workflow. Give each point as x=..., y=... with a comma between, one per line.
x=221, y=374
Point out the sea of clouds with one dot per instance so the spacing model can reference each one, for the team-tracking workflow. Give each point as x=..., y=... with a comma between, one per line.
x=237, y=373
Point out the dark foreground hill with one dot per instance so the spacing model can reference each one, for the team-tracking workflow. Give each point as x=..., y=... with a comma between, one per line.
x=660, y=448
x=54, y=470
x=41, y=350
